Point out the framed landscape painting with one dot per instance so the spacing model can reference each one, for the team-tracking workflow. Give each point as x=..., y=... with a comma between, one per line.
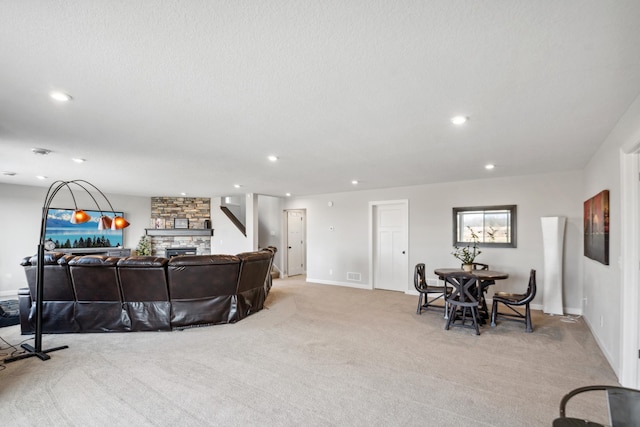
x=66, y=235
x=596, y=227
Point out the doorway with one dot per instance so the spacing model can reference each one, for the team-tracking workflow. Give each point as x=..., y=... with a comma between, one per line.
x=389, y=264
x=296, y=242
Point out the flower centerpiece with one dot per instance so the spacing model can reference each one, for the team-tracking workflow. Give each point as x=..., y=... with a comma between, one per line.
x=467, y=254
x=144, y=246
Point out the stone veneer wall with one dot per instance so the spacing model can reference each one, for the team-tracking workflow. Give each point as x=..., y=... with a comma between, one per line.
x=167, y=209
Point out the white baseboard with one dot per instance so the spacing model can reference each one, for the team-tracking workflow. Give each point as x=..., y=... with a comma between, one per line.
x=603, y=348
x=568, y=310
x=335, y=283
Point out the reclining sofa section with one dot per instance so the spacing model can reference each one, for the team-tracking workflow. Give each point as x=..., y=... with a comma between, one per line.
x=96, y=293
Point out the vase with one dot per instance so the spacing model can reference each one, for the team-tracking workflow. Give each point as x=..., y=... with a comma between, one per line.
x=467, y=267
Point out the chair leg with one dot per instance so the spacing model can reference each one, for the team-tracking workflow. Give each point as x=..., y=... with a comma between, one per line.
x=494, y=312
x=419, y=310
x=450, y=317
x=483, y=307
x=475, y=315
x=528, y=327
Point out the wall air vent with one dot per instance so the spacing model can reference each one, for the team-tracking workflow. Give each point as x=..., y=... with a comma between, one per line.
x=354, y=277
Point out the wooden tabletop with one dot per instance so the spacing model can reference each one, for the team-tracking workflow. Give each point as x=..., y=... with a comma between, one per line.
x=480, y=274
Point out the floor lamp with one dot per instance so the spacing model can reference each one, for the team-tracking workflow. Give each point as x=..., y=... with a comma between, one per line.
x=79, y=216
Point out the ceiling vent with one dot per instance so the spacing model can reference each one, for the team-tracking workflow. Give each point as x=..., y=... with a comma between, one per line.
x=40, y=151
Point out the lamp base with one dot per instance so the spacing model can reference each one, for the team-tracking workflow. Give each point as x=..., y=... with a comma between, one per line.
x=31, y=352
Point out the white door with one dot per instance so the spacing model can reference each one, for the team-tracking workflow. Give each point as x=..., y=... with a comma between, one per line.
x=295, y=242
x=389, y=236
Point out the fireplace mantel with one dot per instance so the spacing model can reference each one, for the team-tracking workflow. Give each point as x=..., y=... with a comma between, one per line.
x=179, y=231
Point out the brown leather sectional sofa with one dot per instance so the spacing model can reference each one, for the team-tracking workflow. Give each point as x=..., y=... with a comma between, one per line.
x=96, y=293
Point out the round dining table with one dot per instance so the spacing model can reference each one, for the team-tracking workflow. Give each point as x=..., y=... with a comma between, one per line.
x=480, y=274
x=485, y=278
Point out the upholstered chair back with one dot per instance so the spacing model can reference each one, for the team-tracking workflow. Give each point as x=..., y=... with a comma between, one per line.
x=145, y=292
x=202, y=289
x=99, y=307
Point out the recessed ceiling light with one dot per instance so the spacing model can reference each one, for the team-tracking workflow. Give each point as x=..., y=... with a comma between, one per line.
x=237, y=185
x=288, y=194
x=183, y=194
x=354, y=182
x=458, y=120
x=8, y=173
x=79, y=160
x=273, y=158
x=60, y=96
x=40, y=151
x=489, y=166
x=41, y=177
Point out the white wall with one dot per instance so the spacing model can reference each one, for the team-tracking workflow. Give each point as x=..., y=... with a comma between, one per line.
x=227, y=239
x=20, y=218
x=270, y=217
x=602, y=283
x=430, y=229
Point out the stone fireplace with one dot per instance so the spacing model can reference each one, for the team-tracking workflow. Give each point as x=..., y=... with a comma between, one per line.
x=192, y=230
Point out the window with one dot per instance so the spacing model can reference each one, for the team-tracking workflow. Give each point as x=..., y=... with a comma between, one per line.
x=494, y=226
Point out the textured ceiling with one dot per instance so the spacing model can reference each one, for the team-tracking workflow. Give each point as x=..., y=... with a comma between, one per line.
x=192, y=96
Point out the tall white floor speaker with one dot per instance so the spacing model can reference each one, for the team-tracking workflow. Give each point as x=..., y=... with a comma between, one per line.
x=553, y=244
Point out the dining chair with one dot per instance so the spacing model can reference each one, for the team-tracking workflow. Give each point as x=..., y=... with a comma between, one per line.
x=463, y=301
x=484, y=286
x=479, y=266
x=424, y=289
x=514, y=300
x=623, y=404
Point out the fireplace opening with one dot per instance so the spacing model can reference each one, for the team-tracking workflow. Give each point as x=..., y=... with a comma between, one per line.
x=171, y=252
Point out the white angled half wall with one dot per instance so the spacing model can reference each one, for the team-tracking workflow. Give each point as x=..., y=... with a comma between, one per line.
x=553, y=245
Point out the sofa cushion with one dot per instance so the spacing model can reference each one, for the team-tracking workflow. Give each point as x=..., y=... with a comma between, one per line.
x=99, y=306
x=143, y=281
x=254, y=269
x=202, y=289
x=202, y=276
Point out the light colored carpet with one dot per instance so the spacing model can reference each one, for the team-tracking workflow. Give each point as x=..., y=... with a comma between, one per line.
x=319, y=356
